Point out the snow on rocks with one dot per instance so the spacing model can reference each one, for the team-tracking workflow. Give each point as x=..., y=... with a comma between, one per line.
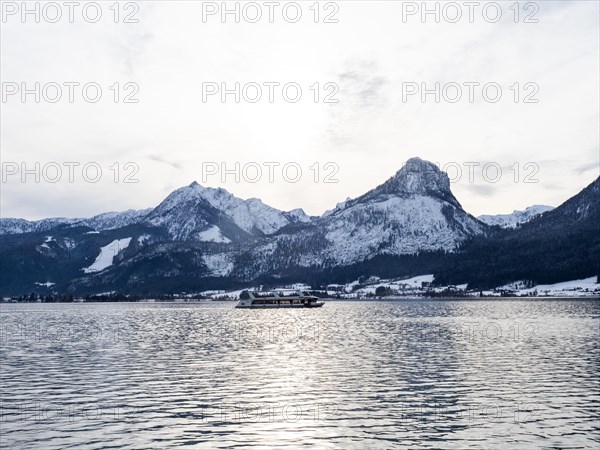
x=219, y=265
x=213, y=234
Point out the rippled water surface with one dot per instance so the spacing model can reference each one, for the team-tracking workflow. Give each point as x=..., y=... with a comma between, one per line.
x=398, y=374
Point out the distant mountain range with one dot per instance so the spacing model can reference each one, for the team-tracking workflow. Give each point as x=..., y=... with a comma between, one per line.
x=517, y=218
x=104, y=221
x=202, y=238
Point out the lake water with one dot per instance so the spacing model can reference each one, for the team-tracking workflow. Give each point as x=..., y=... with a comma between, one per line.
x=371, y=374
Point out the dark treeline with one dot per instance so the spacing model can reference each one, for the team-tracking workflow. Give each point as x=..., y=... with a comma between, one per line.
x=112, y=297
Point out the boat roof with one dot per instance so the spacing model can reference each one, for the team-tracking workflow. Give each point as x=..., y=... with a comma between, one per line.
x=279, y=293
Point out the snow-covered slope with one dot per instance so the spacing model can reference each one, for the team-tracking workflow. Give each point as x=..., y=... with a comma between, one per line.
x=112, y=220
x=397, y=225
x=338, y=207
x=213, y=234
x=107, y=254
x=516, y=218
x=412, y=212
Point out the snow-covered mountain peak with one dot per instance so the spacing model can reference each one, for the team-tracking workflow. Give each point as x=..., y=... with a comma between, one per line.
x=418, y=176
x=298, y=215
x=196, y=192
x=196, y=207
x=412, y=212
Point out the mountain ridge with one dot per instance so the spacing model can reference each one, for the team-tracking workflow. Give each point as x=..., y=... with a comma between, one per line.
x=417, y=176
x=516, y=218
x=200, y=237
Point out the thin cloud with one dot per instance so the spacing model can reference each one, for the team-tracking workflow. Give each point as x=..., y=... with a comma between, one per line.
x=160, y=159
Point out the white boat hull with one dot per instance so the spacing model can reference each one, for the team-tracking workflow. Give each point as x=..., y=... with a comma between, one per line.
x=273, y=306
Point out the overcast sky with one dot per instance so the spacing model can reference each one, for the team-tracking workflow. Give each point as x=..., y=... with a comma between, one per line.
x=371, y=54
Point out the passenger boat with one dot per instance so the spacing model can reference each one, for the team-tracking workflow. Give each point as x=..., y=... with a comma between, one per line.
x=260, y=299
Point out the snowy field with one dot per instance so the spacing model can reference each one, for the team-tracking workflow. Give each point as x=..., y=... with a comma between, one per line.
x=420, y=286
